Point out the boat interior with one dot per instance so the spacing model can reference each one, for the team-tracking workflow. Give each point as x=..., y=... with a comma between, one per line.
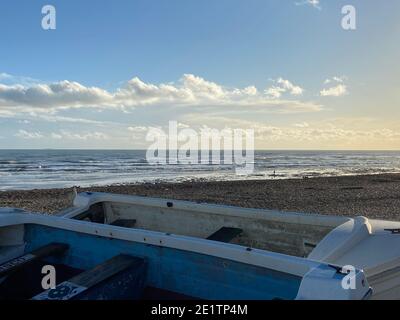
x=291, y=234
x=94, y=263
x=21, y=278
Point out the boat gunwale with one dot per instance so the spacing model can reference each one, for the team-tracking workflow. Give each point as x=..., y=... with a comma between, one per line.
x=83, y=201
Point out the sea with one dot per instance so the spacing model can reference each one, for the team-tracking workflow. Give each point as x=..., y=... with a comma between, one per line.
x=43, y=169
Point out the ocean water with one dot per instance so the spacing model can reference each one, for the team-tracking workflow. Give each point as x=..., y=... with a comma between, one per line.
x=30, y=169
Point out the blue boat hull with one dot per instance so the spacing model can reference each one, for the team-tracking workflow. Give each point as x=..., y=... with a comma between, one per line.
x=183, y=272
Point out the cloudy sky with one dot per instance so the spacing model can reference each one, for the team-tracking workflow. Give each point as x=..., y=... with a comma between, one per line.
x=284, y=68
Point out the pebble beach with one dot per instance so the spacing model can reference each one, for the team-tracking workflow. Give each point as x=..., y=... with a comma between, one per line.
x=372, y=196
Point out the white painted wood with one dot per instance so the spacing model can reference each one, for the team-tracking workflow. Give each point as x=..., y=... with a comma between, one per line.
x=262, y=229
x=85, y=200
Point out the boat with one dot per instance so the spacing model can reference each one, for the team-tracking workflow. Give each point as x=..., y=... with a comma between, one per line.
x=113, y=247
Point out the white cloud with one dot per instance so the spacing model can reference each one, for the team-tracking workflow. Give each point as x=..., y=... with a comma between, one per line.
x=295, y=90
x=23, y=134
x=283, y=86
x=333, y=131
x=138, y=133
x=320, y=134
x=7, y=113
x=336, y=79
x=275, y=92
x=4, y=76
x=10, y=79
x=183, y=125
x=302, y=125
x=190, y=90
x=63, y=134
x=313, y=3
x=251, y=90
x=337, y=87
x=57, y=118
x=28, y=115
x=138, y=129
x=56, y=136
x=335, y=91
x=59, y=94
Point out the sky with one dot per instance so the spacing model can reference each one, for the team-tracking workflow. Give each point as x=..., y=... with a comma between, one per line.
x=284, y=68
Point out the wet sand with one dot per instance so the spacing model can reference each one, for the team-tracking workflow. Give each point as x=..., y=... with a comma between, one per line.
x=373, y=196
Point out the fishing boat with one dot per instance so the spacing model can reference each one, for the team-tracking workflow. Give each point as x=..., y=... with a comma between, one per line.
x=111, y=247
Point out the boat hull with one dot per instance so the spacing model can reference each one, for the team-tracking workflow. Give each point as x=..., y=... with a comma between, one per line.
x=185, y=266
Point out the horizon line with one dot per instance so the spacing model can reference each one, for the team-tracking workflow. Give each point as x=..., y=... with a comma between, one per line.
x=138, y=149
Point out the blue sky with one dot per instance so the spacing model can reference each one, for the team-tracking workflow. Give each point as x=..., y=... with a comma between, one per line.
x=317, y=85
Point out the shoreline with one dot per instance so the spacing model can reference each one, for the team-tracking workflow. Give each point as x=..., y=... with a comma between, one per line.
x=374, y=196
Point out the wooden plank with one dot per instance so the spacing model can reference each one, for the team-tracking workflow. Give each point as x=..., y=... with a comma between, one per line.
x=105, y=270
x=22, y=261
x=225, y=234
x=116, y=277
x=127, y=223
